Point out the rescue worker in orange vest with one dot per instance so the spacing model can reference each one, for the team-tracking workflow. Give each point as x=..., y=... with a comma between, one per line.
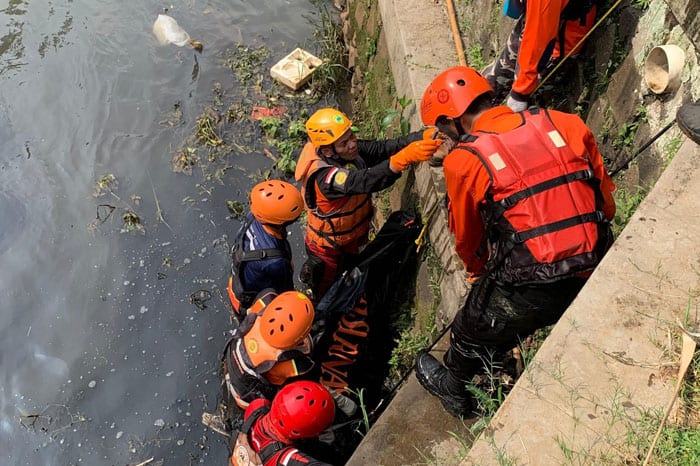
x=270, y=346
x=338, y=175
x=529, y=204
x=301, y=410
x=261, y=256
x=546, y=31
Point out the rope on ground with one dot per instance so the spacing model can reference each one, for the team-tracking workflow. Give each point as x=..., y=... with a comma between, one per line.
x=455, y=32
x=573, y=49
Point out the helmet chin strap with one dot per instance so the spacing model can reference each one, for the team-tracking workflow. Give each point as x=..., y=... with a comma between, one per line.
x=333, y=156
x=447, y=129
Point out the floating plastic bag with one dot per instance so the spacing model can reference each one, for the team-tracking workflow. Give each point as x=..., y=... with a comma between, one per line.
x=167, y=31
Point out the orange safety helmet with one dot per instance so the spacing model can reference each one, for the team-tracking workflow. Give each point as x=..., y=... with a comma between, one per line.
x=302, y=409
x=275, y=202
x=287, y=320
x=451, y=93
x=326, y=126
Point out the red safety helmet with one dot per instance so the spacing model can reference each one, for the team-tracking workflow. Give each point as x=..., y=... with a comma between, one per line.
x=302, y=409
x=287, y=320
x=451, y=93
x=275, y=202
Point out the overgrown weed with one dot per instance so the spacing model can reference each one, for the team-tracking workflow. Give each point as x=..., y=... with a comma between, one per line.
x=627, y=202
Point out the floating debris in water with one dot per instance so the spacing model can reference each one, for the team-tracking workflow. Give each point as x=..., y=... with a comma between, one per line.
x=266, y=112
x=132, y=222
x=206, y=131
x=199, y=298
x=92, y=384
x=174, y=117
x=236, y=209
x=167, y=31
x=106, y=184
x=159, y=423
x=184, y=160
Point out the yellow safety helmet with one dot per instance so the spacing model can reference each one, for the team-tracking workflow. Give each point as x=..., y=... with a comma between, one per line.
x=326, y=126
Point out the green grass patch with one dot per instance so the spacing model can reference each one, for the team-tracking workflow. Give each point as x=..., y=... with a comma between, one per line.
x=627, y=201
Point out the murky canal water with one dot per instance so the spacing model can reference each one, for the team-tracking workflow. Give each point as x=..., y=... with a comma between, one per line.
x=98, y=335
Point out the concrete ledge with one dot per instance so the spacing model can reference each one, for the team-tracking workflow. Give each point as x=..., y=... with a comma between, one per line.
x=420, y=46
x=414, y=429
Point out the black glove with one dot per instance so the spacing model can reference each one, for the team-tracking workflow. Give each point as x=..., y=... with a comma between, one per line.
x=311, y=272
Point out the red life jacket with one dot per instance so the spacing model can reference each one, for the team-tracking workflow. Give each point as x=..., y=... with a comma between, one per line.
x=332, y=223
x=542, y=214
x=252, y=368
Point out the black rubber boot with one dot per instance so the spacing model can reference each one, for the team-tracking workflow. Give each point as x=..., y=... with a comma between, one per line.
x=688, y=119
x=433, y=376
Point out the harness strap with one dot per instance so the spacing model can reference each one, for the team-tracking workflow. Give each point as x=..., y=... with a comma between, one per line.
x=513, y=199
x=521, y=237
x=248, y=423
x=257, y=254
x=343, y=232
x=266, y=452
x=271, y=449
x=267, y=253
x=341, y=213
x=329, y=237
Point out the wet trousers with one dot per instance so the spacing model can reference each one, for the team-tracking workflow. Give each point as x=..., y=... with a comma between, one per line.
x=496, y=317
x=323, y=267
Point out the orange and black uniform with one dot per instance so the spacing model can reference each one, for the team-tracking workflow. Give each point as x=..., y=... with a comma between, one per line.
x=542, y=166
x=254, y=369
x=546, y=32
x=338, y=199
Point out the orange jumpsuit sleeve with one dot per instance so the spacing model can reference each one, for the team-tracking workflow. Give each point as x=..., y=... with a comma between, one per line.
x=541, y=27
x=607, y=185
x=574, y=33
x=467, y=181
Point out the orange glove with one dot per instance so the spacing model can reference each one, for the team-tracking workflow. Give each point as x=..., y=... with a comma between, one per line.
x=430, y=133
x=417, y=151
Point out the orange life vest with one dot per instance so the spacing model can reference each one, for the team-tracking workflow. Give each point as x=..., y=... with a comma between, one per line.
x=253, y=368
x=542, y=212
x=333, y=223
